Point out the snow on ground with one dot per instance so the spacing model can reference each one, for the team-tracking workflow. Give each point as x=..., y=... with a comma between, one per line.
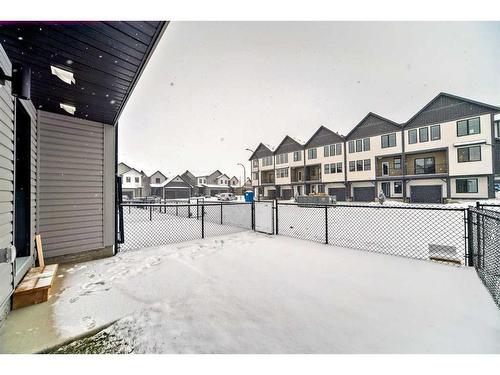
x=417, y=233
x=252, y=293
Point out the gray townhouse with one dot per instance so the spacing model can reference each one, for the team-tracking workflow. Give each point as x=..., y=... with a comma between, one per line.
x=450, y=149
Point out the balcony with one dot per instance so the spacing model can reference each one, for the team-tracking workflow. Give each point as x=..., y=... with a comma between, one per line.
x=424, y=169
x=267, y=178
x=297, y=174
x=427, y=163
x=313, y=173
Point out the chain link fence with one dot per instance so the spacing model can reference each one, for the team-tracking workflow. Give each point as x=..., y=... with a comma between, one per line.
x=148, y=225
x=484, y=243
x=420, y=232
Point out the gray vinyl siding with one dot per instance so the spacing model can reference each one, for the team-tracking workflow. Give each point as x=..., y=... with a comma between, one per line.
x=6, y=178
x=71, y=184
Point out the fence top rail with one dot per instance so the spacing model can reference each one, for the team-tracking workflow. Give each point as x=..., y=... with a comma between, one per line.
x=184, y=204
x=487, y=213
x=375, y=206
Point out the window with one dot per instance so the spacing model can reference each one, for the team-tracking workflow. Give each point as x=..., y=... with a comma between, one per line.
x=157, y=180
x=423, y=134
x=412, y=136
x=425, y=166
x=398, y=187
x=397, y=163
x=388, y=140
x=339, y=167
x=359, y=145
x=366, y=144
x=352, y=166
x=282, y=158
x=367, y=164
x=327, y=168
x=255, y=175
x=326, y=151
x=359, y=165
x=497, y=129
x=468, y=127
x=338, y=148
x=312, y=153
x=472, y=153
x=297, y=156
x=435, y=132
x=268, y=160
x=321, y=188
x=127, y=179
x=200, y=180
x=466, y=185
x=137, y=179
x=282, y=172
x=351, y=147
x=255, y=163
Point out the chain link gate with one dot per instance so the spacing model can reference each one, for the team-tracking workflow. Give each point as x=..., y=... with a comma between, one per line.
x=263, y=216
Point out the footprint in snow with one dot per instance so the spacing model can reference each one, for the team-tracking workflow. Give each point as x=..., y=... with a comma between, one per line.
x=89, y=322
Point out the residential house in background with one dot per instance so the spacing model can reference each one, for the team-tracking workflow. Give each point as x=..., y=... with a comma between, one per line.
x=135, y=184
x=176, y=187
x=212, y=184
x=450, y=150
x=156, y=181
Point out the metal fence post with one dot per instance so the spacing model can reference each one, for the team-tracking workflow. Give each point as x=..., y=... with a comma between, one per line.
x=197, y=209
x=470, y=239
x=276, y=221
x=202, y=221
x=252, y=212
x=326, y=224
x=220, y=213
x=150, y=213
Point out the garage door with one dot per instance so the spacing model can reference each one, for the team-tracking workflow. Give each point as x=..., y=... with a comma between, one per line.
x=286, y=194
x=177, y=193
x=338, y=192
x=364, y=194
x=271, y=194
x=426, y=194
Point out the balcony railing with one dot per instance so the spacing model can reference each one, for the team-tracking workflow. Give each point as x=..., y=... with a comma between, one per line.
x=267, y=180
x=440, y=168
x=389, y=172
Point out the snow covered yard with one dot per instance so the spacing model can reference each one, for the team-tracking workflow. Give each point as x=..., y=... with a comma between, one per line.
x=252, y=293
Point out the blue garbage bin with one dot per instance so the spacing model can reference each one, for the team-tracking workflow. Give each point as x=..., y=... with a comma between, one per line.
x=248, y=196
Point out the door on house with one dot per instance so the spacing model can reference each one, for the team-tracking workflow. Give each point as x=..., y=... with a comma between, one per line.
x=22, y=182
x=386, y=188
x=299, y=190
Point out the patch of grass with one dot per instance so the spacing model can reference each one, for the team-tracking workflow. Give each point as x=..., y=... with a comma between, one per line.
x=101, y=343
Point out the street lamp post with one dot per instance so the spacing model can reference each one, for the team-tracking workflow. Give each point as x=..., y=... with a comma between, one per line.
x=244, y=174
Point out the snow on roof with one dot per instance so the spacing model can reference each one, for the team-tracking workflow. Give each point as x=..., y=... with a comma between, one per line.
x=298, y=140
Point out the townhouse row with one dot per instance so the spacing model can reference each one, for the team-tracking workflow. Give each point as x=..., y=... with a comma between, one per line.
x=450, y=149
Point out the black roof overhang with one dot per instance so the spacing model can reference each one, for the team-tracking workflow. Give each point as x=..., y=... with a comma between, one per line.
x=106, y=58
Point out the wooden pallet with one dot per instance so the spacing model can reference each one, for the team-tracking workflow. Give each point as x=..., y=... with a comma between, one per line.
x=36, y=285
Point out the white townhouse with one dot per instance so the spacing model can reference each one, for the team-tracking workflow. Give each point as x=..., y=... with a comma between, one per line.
x=289, y=165
x=325, y=163
x=263, y=172
x=373, y=148
x=449, y=150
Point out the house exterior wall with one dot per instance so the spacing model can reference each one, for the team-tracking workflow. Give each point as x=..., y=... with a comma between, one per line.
x=156, y=175
x=449, y=138
x=74, y=175
x=375, y=150
x=6, y=184
x=133, y=174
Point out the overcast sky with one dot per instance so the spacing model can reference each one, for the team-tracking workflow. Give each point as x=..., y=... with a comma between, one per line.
x=212, y=89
